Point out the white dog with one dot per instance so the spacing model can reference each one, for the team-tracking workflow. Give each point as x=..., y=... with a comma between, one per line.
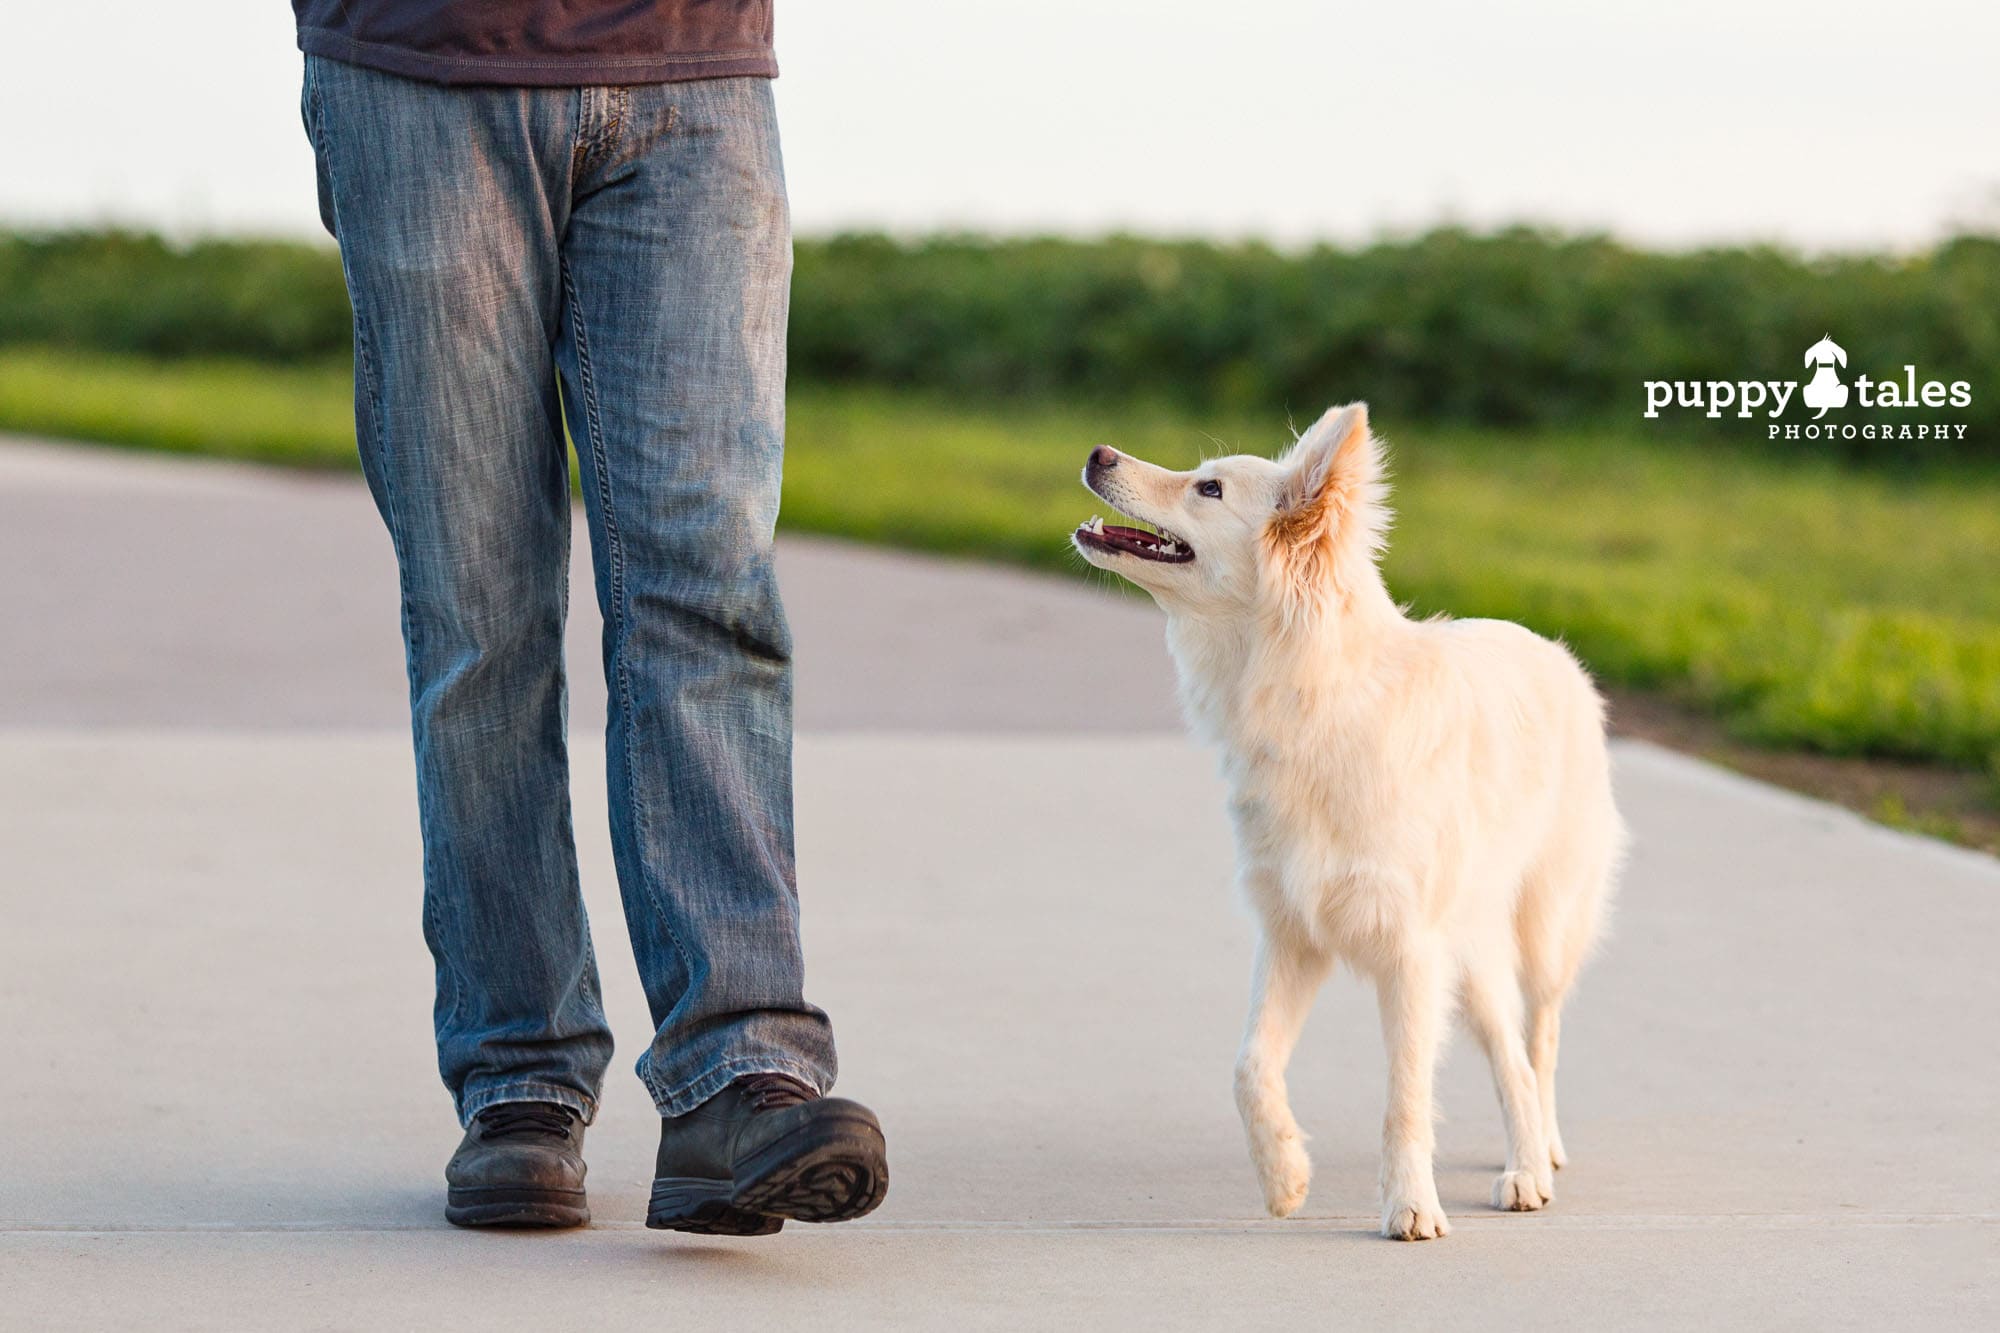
x=1428, y=800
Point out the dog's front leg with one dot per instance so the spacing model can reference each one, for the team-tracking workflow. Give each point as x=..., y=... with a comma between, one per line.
x=1415, y=997
x=1288, y=974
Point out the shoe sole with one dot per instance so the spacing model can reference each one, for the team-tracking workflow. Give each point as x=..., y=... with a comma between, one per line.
x=703, y=1208
x=830, y=1170
x=504, y=1207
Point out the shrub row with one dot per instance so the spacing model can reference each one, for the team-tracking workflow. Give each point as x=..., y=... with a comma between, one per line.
x=119, y=291
x=1517, y=327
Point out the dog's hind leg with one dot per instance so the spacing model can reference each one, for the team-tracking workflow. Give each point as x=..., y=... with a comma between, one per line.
x=1561, y=915
x=1493, y=1007
x=1559, y=920
x=1288, y=975
x=1544, y=1034
x=1415, y=994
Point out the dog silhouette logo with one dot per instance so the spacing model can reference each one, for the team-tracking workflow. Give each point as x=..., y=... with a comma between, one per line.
x=1825, y=391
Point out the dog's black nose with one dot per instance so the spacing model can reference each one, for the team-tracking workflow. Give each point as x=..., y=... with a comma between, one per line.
x=1104, y=456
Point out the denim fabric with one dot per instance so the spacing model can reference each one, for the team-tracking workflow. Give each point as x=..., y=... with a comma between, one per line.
x=631, y=245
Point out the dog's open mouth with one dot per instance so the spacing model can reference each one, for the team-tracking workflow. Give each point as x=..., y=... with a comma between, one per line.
x=1162, y=546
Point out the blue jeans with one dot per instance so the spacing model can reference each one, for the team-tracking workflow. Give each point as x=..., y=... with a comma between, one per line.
x=620, y=258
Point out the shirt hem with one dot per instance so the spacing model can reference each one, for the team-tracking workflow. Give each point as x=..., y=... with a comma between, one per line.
x=564, y=71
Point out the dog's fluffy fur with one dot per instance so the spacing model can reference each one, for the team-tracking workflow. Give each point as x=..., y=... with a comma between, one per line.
x=1429, y=801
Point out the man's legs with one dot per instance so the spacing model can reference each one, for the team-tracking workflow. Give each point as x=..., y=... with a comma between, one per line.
x=675, y=276
x=448, y=205
x=643, y=233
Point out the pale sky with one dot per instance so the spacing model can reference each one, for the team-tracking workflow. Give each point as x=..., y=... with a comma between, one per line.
x=1823, y=123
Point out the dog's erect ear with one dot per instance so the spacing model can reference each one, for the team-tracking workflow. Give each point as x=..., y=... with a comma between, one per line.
x=1336, y=454
x=1333, y=507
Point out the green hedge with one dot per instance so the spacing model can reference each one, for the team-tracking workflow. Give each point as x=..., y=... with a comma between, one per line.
x=1517, y=327
x=125, y=292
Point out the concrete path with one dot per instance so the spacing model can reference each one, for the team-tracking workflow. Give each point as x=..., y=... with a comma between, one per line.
x=141, y=591
x=222, y=1110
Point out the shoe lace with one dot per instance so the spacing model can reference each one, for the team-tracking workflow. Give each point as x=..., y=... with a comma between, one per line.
x=511, y=1120
x=771, y=1092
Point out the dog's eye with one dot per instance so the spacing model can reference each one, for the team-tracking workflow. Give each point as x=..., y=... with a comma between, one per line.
x=1211, y=488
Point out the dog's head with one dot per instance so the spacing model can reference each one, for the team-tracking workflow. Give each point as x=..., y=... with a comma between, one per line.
x=1241, y=534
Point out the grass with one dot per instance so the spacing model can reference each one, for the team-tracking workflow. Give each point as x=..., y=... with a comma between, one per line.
x=298, y=415
x=1805, y=604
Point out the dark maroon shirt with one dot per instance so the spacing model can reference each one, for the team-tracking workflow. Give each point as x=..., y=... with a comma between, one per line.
x=546, y=43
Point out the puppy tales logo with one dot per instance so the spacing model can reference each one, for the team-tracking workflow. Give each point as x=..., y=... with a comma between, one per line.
x=1823, y=392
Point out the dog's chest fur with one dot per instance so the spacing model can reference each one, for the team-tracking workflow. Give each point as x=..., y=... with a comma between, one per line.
x=1302, y=755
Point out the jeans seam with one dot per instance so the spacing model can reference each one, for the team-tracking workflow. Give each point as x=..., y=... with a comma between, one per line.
x=593, y=999
x=614, y=129
x=614, y=554
x=581, y=143
x=595, y=144
x=313, y=105
x=371, y=384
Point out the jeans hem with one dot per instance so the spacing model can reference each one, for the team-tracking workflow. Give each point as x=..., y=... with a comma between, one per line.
x=526, y=1090
x=679, y=1100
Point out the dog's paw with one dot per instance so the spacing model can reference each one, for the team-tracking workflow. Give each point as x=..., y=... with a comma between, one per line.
x=1557, y=1157
x=1283, y=1169
x=1521, y=1192
x=1286, y=1181
x=1415, y=1219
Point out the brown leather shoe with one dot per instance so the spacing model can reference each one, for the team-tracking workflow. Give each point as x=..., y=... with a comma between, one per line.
x=519, y=1165
x=764, y=1149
